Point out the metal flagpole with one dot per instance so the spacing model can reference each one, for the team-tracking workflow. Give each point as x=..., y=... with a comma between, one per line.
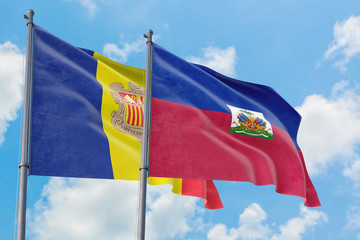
x=25, y=146
x=146, y=139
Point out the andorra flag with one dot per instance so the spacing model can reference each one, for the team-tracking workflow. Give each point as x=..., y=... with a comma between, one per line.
x=86, y=118
x=208, y=126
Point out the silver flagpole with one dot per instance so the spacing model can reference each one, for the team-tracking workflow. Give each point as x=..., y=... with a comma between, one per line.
x=146, y=140
x=25, y=145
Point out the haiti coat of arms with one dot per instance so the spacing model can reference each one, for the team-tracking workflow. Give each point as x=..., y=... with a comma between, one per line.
x=250, y=123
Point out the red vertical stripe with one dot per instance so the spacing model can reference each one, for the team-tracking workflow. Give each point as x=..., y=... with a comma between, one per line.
x=132, y=114
x=138, y=120
x=127, y=114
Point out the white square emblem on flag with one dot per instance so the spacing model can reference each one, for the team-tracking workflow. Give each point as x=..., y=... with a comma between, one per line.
x=250, y=123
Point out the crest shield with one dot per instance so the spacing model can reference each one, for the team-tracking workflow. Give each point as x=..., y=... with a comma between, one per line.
x=129, y=117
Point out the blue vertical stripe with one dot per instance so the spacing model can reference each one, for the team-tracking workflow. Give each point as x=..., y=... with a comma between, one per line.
x=67, y=136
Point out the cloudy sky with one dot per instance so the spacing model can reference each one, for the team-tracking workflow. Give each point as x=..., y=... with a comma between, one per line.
x=309, y=52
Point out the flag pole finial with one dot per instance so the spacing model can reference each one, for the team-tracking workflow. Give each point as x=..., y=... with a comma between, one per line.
x=149, y=36
x=30, y=17
x=31, y=13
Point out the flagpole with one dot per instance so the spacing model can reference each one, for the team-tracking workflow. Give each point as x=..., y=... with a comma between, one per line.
x=25, y=145
x=146, y=139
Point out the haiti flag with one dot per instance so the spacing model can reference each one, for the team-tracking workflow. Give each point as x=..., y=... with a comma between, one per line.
x=208, y=126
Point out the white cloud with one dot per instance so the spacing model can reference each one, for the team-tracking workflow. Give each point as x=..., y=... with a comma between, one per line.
x=85, y=209
x=104, y=209
x=252, y=226
x=169, y=216
x=220, y=232
x=298, y=226
x=353, y=172
x=330, y=127
x=339, y=87
x=251, y=223
x=121, y=54
x=90, y=6
x=346, y=41
x=221, y=60
x=353, y=218
x=11, y=82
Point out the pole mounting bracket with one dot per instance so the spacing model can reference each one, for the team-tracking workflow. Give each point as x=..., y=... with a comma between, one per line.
x=24, y=164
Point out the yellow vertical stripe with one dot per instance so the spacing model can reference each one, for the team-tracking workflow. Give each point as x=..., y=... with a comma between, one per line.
x=125, y=150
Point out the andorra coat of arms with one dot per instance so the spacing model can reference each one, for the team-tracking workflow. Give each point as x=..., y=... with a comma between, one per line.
x=129, y=117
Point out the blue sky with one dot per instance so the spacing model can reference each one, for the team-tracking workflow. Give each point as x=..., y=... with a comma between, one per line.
x=307, y=50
